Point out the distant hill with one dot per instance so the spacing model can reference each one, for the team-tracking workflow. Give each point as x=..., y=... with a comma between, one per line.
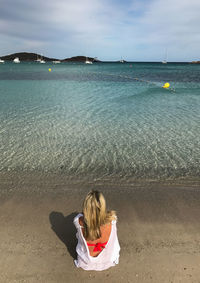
x=27, y=57
x=121, y=61
x=195, y=62
x=80, y=59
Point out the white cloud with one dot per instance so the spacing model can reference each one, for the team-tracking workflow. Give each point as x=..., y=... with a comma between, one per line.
x=107, y=29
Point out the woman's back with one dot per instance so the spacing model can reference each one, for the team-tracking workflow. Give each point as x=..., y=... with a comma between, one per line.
x=105, y=234
x=107, y=257
x=98, y=247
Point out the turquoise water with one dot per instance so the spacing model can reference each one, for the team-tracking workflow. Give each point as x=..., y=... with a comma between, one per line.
x=97, y=121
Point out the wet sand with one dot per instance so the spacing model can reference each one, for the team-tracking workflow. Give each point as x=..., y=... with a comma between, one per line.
x=158, y=229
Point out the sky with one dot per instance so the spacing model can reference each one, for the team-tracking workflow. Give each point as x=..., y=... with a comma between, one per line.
x=135, y=30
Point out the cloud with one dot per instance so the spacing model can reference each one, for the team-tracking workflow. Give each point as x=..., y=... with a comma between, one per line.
x=174, y=24
x=46, y=18
x=105, y=28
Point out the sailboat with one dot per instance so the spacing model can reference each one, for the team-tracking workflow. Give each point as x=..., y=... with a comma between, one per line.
x=122, y=60
x=165, y=60
x=56, y=62
x=42, y=61
x=38, y=59
x=2, y=61
x=88, y=61
x=16, y=60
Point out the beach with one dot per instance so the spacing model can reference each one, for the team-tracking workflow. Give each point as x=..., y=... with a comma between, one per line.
x=107, y=127
x=158, y=229
x=100, y=95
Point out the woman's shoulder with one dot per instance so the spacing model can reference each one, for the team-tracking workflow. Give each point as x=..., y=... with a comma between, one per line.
x=111, y=219
x=111, y=216
x=81, y=221
x=76, y=219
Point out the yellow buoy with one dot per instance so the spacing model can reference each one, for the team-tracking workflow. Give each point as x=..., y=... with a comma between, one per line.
x=166, y=85
x=49, y=69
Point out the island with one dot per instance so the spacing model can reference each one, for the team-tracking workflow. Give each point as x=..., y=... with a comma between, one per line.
x=30, y=57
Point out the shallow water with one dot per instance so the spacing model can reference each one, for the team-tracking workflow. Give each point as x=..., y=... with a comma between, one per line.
x=101, y=120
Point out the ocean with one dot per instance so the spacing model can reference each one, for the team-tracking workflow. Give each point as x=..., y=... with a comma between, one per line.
x=106, y=120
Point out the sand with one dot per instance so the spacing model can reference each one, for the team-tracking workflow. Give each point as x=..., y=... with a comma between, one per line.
x=158, y=230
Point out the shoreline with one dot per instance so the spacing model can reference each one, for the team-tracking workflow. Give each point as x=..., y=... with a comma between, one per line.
x=158, y=229
x=43, y=182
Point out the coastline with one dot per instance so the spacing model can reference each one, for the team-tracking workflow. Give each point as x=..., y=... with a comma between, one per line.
x=158, y=229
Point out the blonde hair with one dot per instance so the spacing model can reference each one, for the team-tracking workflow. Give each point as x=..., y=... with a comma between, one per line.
x=95, y=215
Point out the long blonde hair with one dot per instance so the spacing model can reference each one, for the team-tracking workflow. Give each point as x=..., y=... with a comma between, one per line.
x=95, y=215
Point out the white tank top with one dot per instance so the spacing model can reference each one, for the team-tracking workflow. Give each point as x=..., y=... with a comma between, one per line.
x=108, y=257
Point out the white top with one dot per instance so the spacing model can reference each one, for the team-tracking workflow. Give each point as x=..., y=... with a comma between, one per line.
x=108, y=257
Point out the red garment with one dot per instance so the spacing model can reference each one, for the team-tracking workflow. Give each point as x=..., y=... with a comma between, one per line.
x=97, y=246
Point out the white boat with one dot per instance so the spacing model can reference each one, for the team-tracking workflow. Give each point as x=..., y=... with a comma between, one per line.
x=2, y=61
x=122, y=61
x=56, y=62
x=88, y=61
x=165, y=60
x=38, y=59
x=42, y=61
x=16, y=60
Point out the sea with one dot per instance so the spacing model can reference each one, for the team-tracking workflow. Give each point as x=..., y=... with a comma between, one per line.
x=105, y=120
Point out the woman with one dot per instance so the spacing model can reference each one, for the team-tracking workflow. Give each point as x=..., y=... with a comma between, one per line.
x=98, y=247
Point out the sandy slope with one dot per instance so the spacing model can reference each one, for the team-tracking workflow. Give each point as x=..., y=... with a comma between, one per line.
x=158, y=229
